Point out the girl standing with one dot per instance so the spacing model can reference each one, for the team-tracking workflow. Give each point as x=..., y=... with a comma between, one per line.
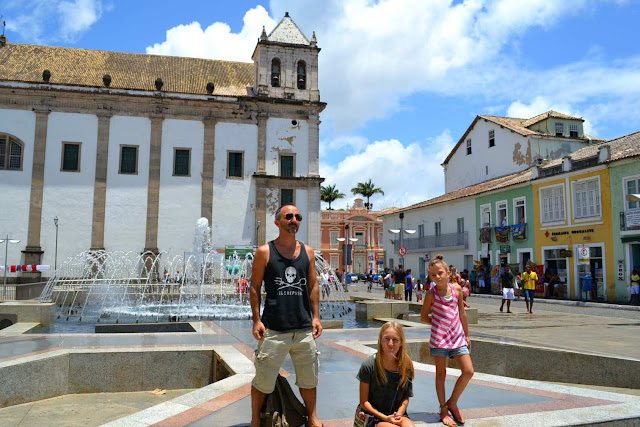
x=386, y=379
x=449, y=337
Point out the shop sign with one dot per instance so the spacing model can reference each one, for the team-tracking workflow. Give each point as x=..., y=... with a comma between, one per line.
x=565, y=253
x=633, y=218
x=583, y=255
x=505, y=249
x=620, y=269
x=485, y=250
x=240, y=251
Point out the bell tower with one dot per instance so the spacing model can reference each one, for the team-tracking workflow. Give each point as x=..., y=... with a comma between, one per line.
x=286, y=63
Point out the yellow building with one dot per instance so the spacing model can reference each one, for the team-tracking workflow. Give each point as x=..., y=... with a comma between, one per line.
x=572, y=222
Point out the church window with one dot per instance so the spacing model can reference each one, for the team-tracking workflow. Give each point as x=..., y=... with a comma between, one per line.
x=275, y=72
x=235, y=164
x=70, y=157
x=492, y=138
x=11, y=152
x=302, y=75
x=129, y=159
x=181, y=161
x=286, y=165
x=286, y=197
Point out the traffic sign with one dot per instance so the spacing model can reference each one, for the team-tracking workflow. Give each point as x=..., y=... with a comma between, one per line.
x=583, y=254
x=402, y=251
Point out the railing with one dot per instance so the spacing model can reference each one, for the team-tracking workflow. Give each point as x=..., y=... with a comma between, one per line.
x=443, y=241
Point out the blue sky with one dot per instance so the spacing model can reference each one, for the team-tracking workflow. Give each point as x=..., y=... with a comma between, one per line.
x=402, y=79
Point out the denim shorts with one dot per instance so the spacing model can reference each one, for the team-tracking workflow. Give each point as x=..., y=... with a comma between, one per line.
x=529, y=294
x=449, y=352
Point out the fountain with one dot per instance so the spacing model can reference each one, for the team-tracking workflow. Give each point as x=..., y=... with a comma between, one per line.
x=129, y=287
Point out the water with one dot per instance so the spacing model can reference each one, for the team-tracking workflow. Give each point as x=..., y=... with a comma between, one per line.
x=128, y=287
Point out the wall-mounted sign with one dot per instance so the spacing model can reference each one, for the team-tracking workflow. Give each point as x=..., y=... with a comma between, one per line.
x=505, y=249
x=427, y=257
x=485, y=250
x=402, y=251
x=583, y=254
x=565, y=253
x=620, y=269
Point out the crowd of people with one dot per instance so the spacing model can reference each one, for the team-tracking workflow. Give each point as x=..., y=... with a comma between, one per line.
x=290, y=324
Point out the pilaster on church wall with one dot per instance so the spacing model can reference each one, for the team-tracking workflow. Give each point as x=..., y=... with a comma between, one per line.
x=126, y=205
x=68, y=195
x=15, y=186
x=180, y=196
x=234, y=199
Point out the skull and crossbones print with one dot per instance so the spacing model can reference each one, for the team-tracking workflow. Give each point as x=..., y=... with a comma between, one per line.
x=290, y=284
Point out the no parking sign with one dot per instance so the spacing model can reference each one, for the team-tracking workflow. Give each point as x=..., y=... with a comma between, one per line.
x=583, y=254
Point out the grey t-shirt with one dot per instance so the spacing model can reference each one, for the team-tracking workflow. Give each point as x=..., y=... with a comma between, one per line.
x=381, y=395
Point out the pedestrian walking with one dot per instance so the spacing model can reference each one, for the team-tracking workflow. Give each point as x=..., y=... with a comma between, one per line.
x=408, y=290
x=529, y=278
x=290, y=320
x=507, y=280
x=400, y=278
x=449, y=338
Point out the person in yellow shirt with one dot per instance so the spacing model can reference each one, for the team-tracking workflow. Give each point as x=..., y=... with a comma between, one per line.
x=529, y=278
x=635, y=287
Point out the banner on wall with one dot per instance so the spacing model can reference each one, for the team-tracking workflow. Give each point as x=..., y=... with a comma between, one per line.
x=485, y=235
x=519, y=231
x=502, y=234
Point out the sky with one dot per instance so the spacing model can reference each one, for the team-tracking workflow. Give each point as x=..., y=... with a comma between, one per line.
x=402, y=79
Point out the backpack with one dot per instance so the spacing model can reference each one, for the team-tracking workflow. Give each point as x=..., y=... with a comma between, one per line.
x=282, y=408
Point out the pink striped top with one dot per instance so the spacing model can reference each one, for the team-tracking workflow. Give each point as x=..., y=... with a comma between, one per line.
x=446, y=328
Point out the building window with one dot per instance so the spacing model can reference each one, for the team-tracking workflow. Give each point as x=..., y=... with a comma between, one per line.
x=70, y=157
x=380, y=236
x=501, y=211
x=492, y=138
x=587, y=199
x=129, y=159
x=286, y=197
x=275, y=72
x=286, y=165
x=519, y=209
x=335, y=261
x=302, y=75
x=559, y=129
x=438, y=228
x=235, y=164
x=460, y=225
x=573, y=130
x=181, y=161
x=485, y=215
x=11, y=151
x=632, y=186
x=552, y=204
x=333, y=239
x=468, y=146
x=421, y=230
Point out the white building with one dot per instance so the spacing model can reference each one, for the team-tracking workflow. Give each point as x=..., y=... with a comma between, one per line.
x=497, y=146
x=129, y=150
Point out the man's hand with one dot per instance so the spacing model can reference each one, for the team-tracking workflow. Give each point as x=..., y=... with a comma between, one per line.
x=258, y=330
x=316, y=325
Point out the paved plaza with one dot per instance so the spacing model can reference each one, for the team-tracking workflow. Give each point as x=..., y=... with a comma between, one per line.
x=489, y=400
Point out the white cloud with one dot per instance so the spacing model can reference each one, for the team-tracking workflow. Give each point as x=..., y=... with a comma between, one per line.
x=406, y=173
x=216, y=41
x=51, y=21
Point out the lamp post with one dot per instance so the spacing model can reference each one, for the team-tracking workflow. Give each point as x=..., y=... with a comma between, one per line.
x=55, y=259
x=401, y=232
x=6, y=242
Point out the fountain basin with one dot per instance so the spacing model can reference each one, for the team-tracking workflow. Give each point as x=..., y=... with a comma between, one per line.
x=143, y=328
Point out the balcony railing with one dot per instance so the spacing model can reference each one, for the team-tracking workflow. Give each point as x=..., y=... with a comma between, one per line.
x=429, y=243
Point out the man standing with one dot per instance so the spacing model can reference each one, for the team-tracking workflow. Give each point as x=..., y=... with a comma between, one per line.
x=529, y=278
x=290, y=321
x=400, y=279
x=506, y=287
x=408, y=290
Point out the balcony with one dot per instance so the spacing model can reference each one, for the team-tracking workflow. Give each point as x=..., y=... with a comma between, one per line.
x=447, y=241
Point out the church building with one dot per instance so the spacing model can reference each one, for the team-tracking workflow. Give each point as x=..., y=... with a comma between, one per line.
x=127, y=151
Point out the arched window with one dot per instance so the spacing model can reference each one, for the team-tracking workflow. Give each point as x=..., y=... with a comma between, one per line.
x=302, y=75
x=11, y=151
x=275, y=72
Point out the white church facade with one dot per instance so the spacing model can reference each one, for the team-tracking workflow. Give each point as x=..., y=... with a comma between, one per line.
x=127, y=151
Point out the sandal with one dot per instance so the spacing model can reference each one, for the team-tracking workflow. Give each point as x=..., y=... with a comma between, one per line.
x=455, y=413
x=447, y=420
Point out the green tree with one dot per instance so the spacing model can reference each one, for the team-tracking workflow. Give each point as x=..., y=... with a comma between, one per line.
x=367, y=189
x=330, y=194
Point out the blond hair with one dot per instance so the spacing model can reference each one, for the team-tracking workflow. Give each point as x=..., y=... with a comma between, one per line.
x=405, y=365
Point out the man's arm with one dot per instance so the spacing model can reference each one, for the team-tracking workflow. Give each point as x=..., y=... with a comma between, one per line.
x=260, y=261
x=314, y=293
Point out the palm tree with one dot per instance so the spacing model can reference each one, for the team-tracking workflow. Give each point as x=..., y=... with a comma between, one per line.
x=330, y=194
x=367, y=189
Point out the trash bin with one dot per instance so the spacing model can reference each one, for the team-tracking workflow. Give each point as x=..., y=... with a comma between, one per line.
x=587, y=286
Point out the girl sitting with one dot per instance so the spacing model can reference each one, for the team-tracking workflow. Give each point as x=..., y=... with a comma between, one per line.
x=449, y=337
x=386, y=379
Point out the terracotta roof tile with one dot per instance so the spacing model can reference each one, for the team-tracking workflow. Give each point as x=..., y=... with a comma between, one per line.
x=130, y=71
x=549, y=114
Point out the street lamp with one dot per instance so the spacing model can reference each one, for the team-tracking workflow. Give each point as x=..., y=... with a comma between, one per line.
x=401, y=232
x=55, y=260
x=6, y=242
x=633, y=197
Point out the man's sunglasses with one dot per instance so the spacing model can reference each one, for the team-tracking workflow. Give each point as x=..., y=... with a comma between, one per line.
x=290, y=216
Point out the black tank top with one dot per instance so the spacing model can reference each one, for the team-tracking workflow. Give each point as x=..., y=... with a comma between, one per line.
x=287, y=306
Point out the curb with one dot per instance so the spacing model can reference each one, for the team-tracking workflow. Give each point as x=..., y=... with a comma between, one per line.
x=571, y=303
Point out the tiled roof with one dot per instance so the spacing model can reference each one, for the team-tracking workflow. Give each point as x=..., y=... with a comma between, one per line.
x=549, y=114
x=130, y=71
x=517, y=125
x=287, y=32
x=621, y=148
x=494, y=184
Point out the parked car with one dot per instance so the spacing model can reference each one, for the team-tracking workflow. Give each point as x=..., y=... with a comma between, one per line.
x=362, y=276
x=354, y=277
